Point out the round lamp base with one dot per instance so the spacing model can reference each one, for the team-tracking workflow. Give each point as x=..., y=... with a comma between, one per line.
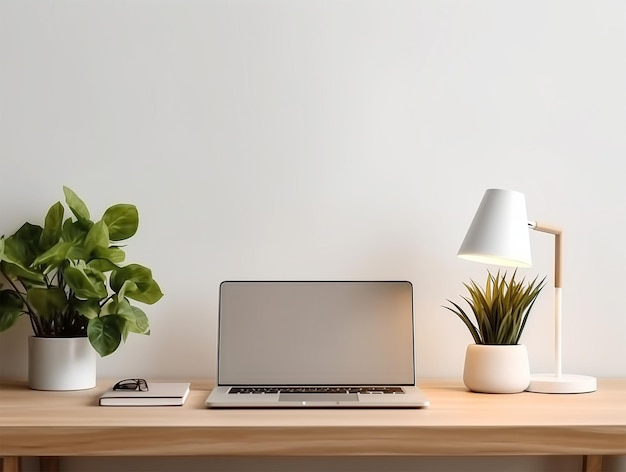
x=566, y=383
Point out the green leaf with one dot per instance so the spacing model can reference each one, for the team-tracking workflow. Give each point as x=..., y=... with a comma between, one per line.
x=463, y=316
x=23, y=246
x=136, y=320
x=137, y=283
x=52, y=226
x=86, y=283
x=54, y=256
x=111, y=254
x=47, y=301
x=122, y=220
x=11, y=306
x=78, y=207
x=102, y=265
x=89, y=308
x=77, y=252
x=105, y=333
x=115, y=306
x=13, y=269
x=97, y=237
x=73, y=231
x=140, y=323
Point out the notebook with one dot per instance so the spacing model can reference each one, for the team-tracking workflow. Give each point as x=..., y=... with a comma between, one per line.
x=158, y=394
x=310, y=344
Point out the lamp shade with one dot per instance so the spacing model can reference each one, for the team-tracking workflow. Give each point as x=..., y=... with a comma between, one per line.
x=498, y=233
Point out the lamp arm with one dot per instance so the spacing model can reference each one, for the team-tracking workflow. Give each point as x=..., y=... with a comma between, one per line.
x=558, y=236
x=558, y=242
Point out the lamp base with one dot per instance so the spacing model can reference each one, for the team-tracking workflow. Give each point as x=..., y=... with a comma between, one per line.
x=566, y=383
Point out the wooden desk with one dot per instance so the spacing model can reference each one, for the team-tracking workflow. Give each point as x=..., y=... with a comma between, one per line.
x=52, y=424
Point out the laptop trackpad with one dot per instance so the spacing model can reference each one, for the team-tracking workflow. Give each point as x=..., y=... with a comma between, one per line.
x=318, y=397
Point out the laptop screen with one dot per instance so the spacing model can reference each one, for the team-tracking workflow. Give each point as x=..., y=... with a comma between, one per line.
x=316, y=333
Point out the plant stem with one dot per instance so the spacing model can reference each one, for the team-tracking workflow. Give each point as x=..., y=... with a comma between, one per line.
x=34, y=321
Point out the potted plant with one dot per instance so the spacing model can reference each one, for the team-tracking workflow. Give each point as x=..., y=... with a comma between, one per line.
x=67, y=277
x=497, y=362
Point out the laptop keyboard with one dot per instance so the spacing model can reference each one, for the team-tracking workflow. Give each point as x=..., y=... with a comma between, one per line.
x=274, y=390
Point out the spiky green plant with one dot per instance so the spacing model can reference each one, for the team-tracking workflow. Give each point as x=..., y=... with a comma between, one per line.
x=500, y=309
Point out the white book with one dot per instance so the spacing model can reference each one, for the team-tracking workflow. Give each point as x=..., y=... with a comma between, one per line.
x=159, y=394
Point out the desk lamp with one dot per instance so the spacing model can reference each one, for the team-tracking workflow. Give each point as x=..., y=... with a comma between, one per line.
x=499, y=235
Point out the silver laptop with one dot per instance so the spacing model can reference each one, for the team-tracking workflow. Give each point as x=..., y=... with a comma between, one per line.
x=316, y=344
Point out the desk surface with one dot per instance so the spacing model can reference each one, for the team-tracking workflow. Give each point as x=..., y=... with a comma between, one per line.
x=34, y=423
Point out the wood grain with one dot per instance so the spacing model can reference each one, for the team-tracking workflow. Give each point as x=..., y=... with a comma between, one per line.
x=592, y=464
x=458, y=422
x=10, y=464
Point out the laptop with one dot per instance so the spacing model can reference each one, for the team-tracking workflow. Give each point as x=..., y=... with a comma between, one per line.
x=316, y=344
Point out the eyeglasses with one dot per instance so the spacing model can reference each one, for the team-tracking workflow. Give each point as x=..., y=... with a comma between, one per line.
x=139, y=385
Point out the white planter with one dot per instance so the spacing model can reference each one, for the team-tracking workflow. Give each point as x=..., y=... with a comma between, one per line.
x=61, y=363
x=496, y=368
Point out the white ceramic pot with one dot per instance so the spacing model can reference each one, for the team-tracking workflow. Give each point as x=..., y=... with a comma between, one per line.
x=496, y=368
x=61, y=363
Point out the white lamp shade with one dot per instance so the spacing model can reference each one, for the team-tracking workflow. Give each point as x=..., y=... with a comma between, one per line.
x=499, y=231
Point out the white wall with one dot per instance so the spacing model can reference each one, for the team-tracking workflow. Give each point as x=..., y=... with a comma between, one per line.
x=314, y=139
